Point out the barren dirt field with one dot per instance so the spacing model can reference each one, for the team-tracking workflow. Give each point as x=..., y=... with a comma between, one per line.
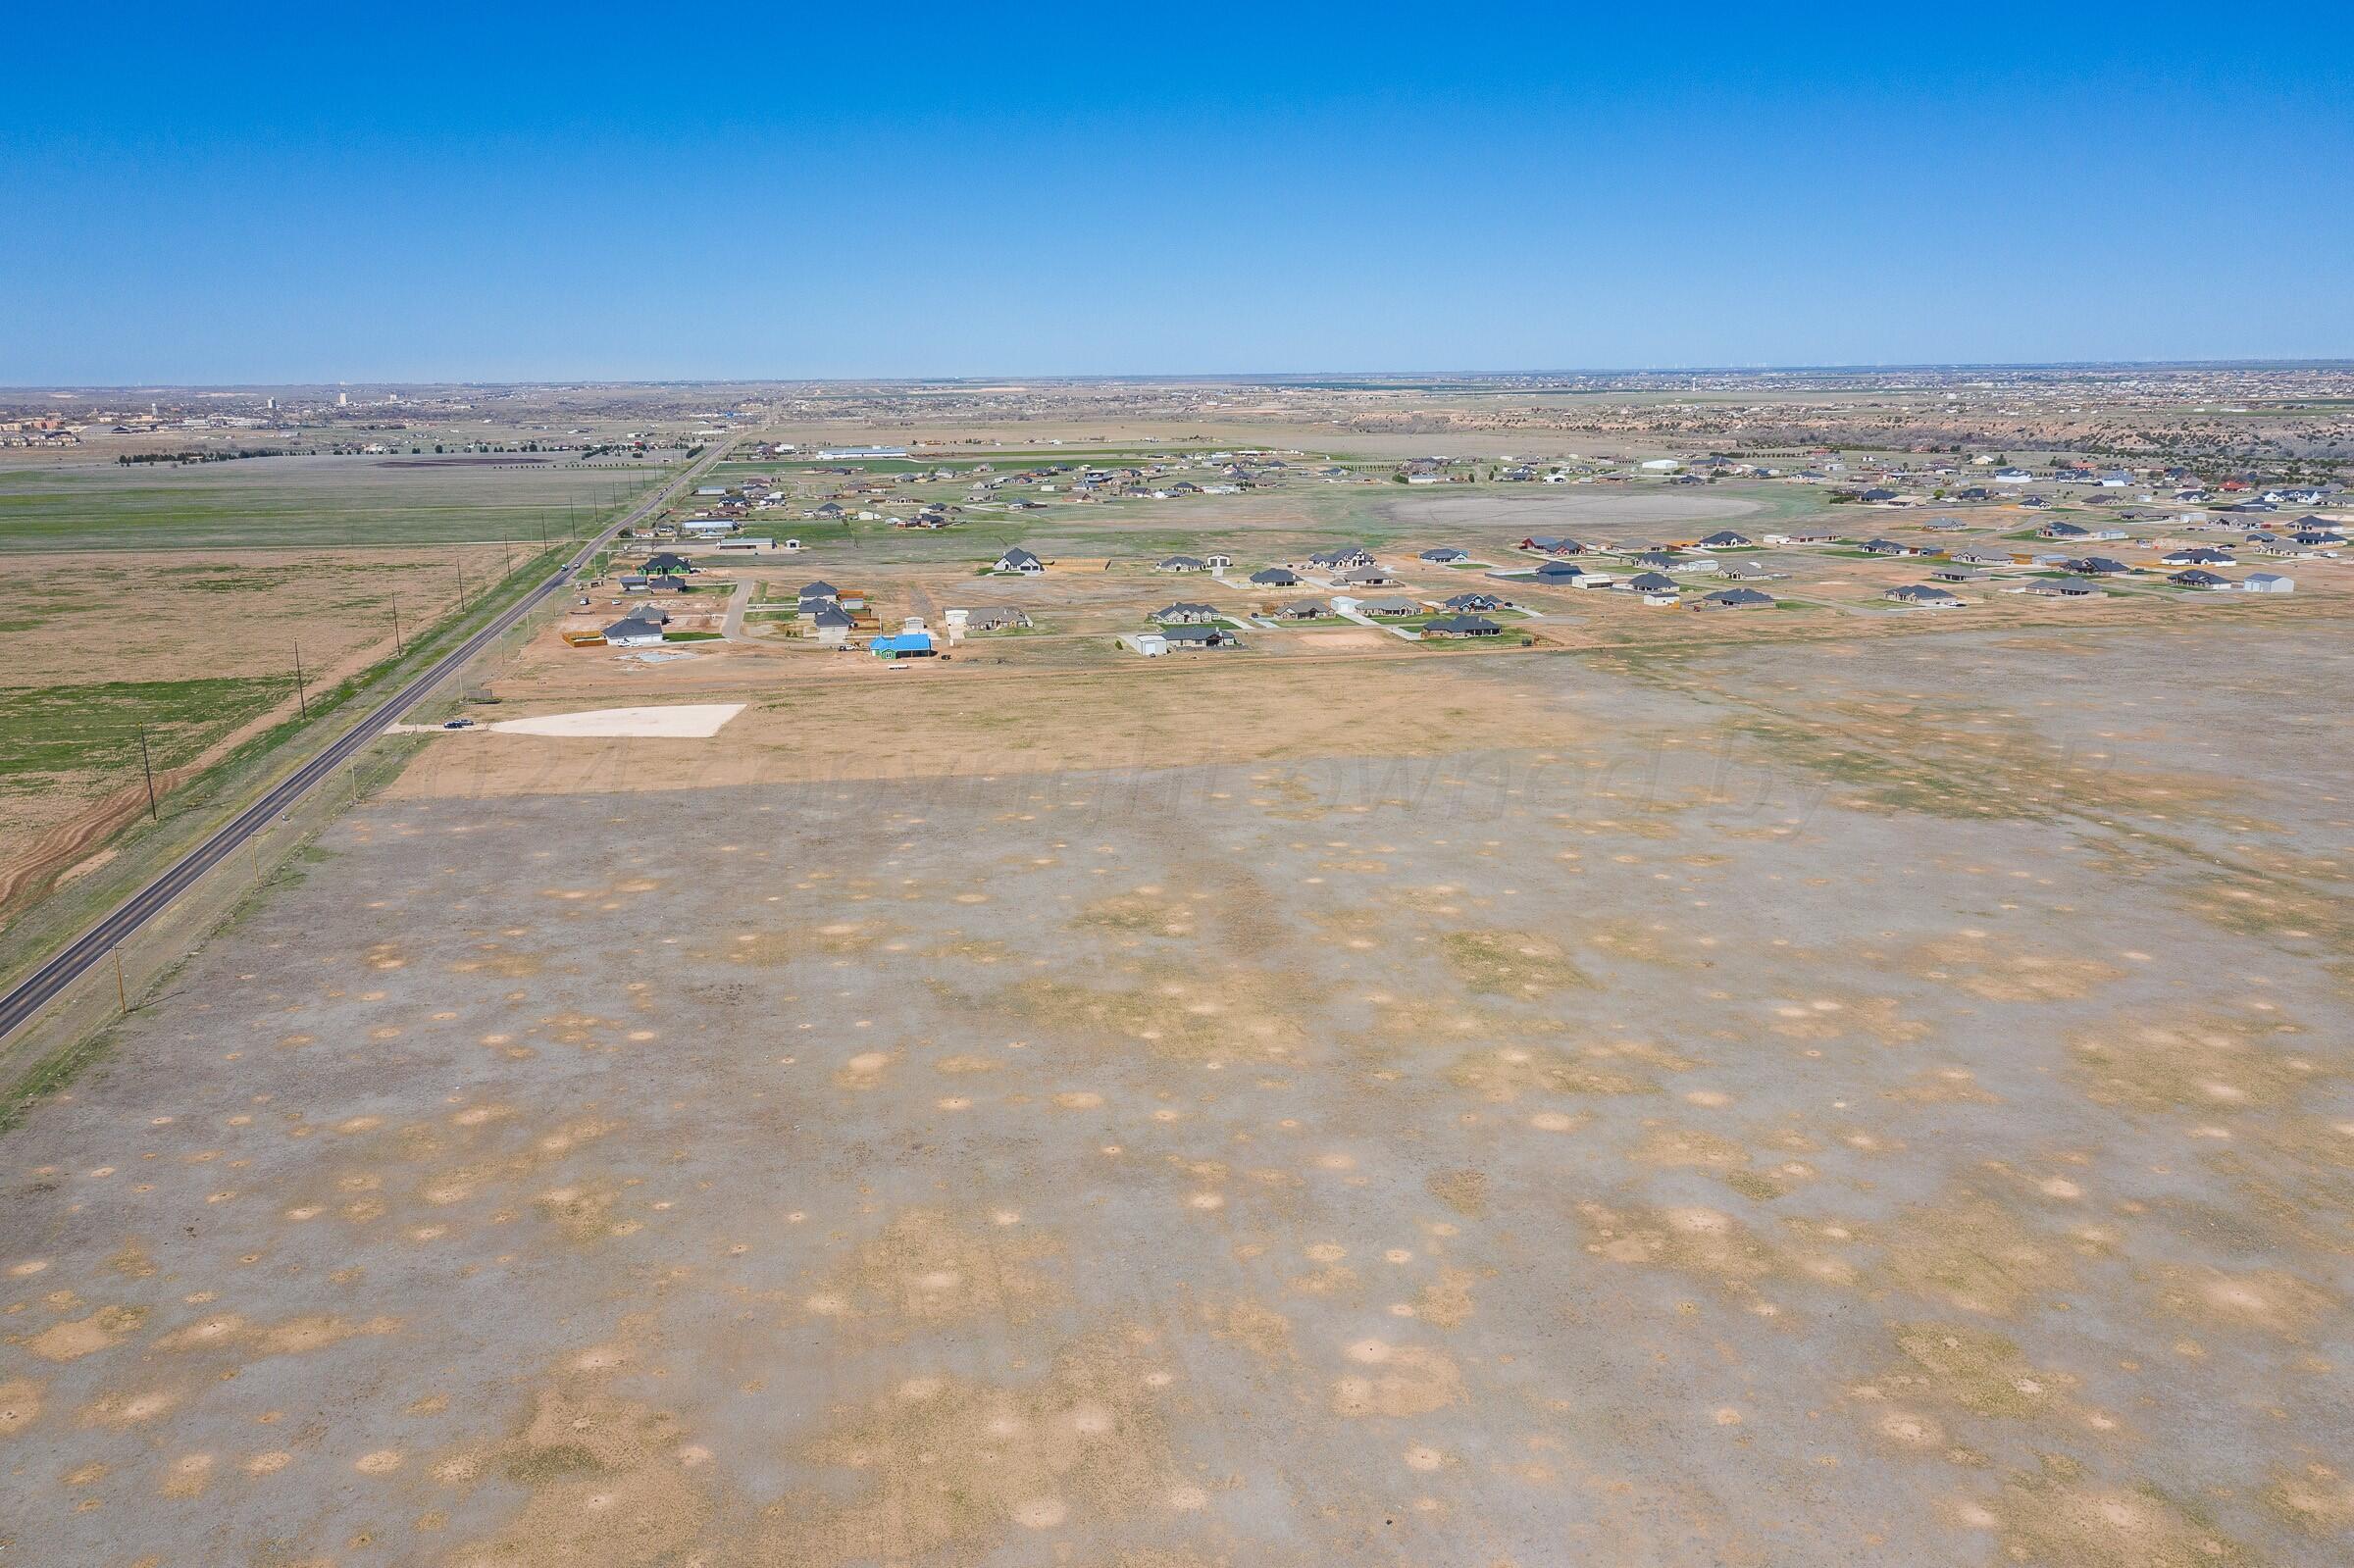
x=1877, y=1102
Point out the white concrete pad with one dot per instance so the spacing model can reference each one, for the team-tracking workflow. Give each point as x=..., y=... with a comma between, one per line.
x=687, y=721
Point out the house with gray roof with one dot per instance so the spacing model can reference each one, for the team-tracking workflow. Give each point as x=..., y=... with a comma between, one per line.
x=997, y=618
x=1201, y=637
x=1462, y=626
x=633, y=633
x=1183, y=613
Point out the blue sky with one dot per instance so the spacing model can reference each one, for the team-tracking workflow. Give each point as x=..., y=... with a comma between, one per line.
x=266, y=194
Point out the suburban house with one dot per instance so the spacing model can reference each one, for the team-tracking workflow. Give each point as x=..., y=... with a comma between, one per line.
x=666, y=564
x=1184, y=614
x=1019, y=560
x=1363, y=577
x=1199, y=636
x=1001, y=618
x=903, y=646
x=1749, y=572
x=831, y=623
x=1388, y=607
x=2196, y=555
x=1341, y=560
x=1449, y=556
x=1548, y=545
x=1734, y=599
x=1975, y=557
x=1951, y=571
x=2097, y=566
x=1182, y=563
x=1651, y=583
x=633, y=632
x=1558, y=573
x=1923, y=593
x=2060, y=590
x=2196, y=578
x=1726, y=539
x=1301, y=610
x=1275, y=577
x=1462, y=625
x=1462, y=603
x=1883, y=548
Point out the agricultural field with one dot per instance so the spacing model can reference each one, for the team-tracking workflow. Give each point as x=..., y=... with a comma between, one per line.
x=110, y=644
x=178, y=599
x=1766, y=1102
x=306, y=504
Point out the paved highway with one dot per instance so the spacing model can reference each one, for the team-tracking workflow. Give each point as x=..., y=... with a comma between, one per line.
x=35, y=990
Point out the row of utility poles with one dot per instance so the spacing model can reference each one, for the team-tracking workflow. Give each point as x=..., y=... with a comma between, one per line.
x=302, y=700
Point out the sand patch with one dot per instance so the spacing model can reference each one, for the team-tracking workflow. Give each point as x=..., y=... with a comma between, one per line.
x=71, y=1340
x=20, y=1405
x=929, y=1266
x=948, y=1466
x=1396, y=1380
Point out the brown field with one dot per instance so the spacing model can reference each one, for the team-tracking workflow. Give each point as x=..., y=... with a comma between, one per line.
x=1757, y=1103
x=1819, y=1084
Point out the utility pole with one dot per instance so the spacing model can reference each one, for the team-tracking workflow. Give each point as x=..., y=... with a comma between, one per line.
x=147, y=767
x=122, y=992
x=301, y=699
x=461, y=590
x=397, y=650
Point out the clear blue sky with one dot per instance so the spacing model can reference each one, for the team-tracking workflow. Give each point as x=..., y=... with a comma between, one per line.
x=193, y=194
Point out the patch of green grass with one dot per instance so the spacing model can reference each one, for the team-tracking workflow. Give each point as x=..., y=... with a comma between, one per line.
x=307, y=502
x=51, y=1075
x=49, y=731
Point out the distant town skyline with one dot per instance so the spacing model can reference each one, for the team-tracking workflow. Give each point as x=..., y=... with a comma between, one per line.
x=572, y=195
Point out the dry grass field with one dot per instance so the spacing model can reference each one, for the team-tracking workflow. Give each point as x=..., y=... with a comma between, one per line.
x=1780, y=1102
x=1829, y=1082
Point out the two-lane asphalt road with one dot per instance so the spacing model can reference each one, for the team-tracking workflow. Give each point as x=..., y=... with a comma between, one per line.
x=92, y=945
